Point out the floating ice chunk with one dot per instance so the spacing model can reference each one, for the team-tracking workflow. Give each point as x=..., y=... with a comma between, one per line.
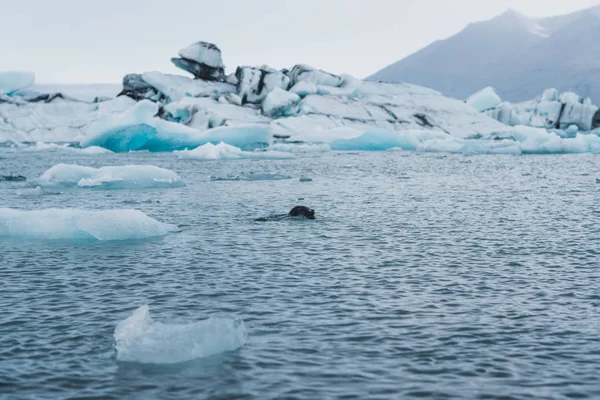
x=304, y=88
x=203, y=53
x=484, y=100
x=53, y=224
x=280, y=103
x=224, y=151
x=125, y=177
x=139, y=129
x=140, y=339
x=15, y=80
x=210, y=151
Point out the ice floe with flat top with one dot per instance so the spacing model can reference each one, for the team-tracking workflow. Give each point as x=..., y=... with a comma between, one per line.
x=223, y=151
x=140, y=339
x=140, y=129
x=120, y=177
x=75, y=224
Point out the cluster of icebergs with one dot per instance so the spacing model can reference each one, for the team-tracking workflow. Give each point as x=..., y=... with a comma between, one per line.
x=262, y=108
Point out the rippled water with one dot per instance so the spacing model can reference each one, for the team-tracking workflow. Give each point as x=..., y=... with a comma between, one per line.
x=424, y=276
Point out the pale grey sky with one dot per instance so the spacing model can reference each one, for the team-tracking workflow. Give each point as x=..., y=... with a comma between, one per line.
x=83, y=41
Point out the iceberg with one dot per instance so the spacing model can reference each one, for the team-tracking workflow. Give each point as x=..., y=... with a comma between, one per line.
x=15, y=80
x=484, y=100
x=223, y=151
x=140, y=339
x=61, y=120
x=139, y=129
x=550, y=110
x=125, y=177
x=521, y=140
x=74, y=224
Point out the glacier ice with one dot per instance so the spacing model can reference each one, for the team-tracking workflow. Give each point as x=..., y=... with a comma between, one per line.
x=123, y=177
x=309, y=74
x=304, y=88
x=223, y=151
x=12, y=81
x=550, y=110
x=75, y=224
x=59, y=121
x=203, y=53
x=139, y=129
x=485, y=99
x=203, y=60
x=279, y=103
x=522, y=140
x=140, y=339
x=302, y=105
x=255, y=83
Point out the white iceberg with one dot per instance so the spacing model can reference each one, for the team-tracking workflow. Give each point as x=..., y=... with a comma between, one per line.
x=140, y=129
x=12, y=81
x=223, y=151
x=139, y=339
x=74, y=224
x=485, y=99
x=122, y=177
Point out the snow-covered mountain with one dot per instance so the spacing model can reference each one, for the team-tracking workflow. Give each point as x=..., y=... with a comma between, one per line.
x=517, y=55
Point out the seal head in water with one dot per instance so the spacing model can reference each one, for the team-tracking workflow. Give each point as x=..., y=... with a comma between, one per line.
x=302, y=211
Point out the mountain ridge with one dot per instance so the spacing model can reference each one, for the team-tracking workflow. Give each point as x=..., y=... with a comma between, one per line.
x=518, y=55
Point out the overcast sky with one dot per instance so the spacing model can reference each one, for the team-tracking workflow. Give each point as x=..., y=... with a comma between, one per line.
x=79, y=41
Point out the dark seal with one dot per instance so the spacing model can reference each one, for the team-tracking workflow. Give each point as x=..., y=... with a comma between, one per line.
x=296, y=212
x=301, y=211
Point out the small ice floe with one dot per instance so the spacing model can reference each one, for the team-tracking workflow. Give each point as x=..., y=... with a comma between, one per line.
x=124, y=177
x=74, y=224
x=140, y=339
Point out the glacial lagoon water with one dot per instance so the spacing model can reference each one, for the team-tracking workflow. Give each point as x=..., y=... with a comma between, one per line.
x=425, y=276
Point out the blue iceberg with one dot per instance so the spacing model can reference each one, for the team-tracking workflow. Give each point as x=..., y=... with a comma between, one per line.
x=140, y=129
